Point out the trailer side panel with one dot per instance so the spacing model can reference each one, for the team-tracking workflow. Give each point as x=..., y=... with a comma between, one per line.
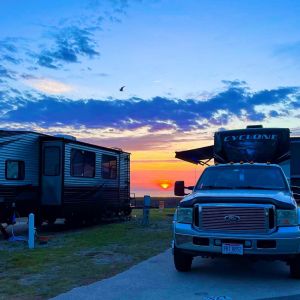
x=81, y=193
x=19, y=173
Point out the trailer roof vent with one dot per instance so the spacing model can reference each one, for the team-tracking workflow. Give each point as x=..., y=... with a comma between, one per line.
x=254, y=126
x=66, y=136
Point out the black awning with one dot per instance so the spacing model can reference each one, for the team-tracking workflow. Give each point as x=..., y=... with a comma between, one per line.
x=196, y=156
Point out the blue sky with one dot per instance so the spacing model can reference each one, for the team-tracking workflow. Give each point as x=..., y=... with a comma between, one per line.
x=180, y=49
x=189, y=67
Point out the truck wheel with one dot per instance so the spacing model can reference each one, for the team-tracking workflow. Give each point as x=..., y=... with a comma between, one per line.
x=295, y=267
x=182, y=261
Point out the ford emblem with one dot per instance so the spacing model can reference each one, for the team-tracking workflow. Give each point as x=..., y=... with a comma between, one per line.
x=232, y=218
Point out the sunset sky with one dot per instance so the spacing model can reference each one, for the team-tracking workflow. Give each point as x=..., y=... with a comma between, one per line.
x=189, y=68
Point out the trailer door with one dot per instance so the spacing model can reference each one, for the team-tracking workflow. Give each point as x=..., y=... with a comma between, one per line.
x=51, y=176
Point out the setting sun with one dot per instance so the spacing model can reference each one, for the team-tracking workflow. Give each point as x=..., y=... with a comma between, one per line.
x=165, y=184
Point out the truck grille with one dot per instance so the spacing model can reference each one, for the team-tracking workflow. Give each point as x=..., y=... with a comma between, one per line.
x=237, y=218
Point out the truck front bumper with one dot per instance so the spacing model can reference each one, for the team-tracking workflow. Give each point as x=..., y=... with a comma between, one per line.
x=285, y=241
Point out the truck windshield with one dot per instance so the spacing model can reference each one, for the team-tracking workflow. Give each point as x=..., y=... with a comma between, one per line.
x=243, y=177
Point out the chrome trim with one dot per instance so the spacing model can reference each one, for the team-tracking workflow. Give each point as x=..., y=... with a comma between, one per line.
x=266, y=208
x=285, y=244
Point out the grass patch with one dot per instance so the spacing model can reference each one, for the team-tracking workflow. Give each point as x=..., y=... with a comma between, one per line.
x=79, y=257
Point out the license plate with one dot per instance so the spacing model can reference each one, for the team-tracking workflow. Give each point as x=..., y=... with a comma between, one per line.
x=235, y=249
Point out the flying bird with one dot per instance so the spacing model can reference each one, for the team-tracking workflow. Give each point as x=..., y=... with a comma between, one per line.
x=122, y=88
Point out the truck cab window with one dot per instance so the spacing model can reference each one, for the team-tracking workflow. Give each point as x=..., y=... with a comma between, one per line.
x=51, y=161
x=82, y=163
x=109, y=166
x=15, y=170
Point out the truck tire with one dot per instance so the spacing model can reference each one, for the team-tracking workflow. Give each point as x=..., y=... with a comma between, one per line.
x=295, y=267
x=182, y=261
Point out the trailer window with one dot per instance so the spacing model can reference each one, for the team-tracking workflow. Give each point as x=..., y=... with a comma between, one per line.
x=109, y=166
x=15, y=170
x=51, y=161
x=82, y=163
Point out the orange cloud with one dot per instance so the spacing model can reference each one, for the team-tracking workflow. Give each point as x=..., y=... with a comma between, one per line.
x=49, y=86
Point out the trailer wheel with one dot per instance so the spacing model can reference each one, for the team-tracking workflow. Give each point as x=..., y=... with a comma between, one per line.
x=73, y=221
x=51, y=220
x=38, y=221
x=127, y=211
x=182, y=261
x=295, y=267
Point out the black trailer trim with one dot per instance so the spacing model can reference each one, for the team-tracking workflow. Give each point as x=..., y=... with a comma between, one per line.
x=54, y=138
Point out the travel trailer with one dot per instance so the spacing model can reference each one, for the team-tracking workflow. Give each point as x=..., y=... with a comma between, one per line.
x=60, y=177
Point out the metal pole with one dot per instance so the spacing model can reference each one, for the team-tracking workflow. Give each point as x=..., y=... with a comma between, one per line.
x=31, y=231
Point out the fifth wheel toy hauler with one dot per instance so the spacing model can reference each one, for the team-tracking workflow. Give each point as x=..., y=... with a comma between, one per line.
x=253, y=144
x=243, y=205
x=57, y=176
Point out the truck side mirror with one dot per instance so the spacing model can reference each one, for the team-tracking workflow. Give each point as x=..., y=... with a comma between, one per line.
x=179, y=188
x=190, y=187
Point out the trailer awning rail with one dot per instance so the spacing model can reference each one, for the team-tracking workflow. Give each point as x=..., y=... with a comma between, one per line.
x=197, y=156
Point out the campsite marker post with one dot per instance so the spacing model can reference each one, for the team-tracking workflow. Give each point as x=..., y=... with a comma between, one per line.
x=146, y=210
x=161, y=205
x=31, y=231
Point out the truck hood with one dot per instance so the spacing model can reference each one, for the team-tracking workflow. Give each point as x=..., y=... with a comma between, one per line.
x=281, y=199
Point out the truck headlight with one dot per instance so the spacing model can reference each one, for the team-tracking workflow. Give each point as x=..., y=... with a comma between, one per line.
x=184, y=215
x=286, y=217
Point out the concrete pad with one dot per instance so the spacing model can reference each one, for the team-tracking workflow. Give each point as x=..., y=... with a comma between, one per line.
x=221, y=279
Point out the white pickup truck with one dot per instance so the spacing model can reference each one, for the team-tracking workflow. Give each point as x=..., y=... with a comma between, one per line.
x=238, y=209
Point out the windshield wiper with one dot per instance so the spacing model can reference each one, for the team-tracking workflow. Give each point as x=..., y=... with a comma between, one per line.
x=250, y=187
